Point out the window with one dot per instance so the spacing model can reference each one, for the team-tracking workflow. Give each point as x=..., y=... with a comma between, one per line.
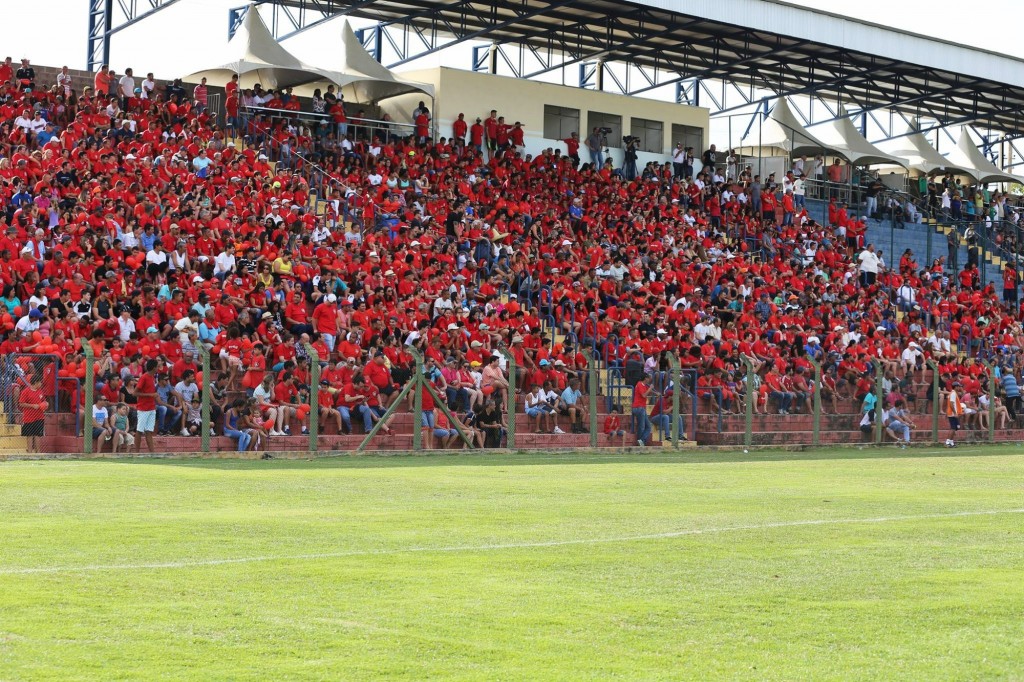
x=690, y=136
x=598, y=119
x=560, y=122
x=651, y=134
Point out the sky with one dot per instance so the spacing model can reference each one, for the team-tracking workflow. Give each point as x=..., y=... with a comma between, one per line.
x=180, y=37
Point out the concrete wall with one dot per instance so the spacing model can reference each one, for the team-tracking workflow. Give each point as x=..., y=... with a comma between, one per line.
x=475, y=94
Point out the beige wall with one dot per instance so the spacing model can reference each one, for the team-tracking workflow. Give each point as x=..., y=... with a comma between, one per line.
x=475, y=94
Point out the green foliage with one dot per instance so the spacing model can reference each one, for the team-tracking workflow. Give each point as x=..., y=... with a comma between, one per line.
x=836, y=564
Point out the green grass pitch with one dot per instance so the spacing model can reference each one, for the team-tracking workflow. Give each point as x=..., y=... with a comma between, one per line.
x=833, y=564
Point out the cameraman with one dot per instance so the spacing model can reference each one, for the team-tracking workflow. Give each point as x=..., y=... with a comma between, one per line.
x=629, y=143
x=595, y=145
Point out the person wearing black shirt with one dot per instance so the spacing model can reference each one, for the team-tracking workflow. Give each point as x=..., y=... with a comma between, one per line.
x=708, y=159
x=26, y=76
x=489, y=421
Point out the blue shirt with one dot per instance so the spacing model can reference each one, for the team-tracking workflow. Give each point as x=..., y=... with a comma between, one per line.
x=570, y=396
x=1010, y=387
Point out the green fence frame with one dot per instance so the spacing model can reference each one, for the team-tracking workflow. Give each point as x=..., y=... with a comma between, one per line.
x=90, y=387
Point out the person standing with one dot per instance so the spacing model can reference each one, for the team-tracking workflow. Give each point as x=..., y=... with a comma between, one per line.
x=1010, y=284
x=572, y=149
x=1011, y=390
x=145, y=421
x=126, y=89
x=33, y=412
x=678, y=160
x=459, y=128
x=641, y=395
x=594, y=145
x=954, y=410
x=868, y=266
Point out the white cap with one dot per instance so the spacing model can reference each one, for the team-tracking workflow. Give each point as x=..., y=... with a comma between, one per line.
x=566, y=242
x=452, y=327
x=331, y=298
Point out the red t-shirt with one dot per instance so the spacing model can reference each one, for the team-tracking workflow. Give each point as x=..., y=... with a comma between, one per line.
x=31, y=399
x=147, y=384
x=640, y=395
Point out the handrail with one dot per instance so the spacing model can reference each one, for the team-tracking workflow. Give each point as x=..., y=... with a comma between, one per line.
x=312, y=115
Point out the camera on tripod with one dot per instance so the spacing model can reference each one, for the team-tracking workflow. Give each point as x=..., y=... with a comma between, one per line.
x=604, y=131
x=630, y=139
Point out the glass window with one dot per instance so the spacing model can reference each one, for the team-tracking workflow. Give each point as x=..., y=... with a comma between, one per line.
x=690, y=136
x=598, y=119
x=651, y=134
x=560, y=122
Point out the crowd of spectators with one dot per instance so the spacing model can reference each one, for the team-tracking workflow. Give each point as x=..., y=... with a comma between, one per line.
x=137, y=224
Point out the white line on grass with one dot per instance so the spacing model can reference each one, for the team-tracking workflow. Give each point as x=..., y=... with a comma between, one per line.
x=493, y=547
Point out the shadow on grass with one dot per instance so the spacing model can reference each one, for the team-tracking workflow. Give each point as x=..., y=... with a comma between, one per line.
x=588, y=457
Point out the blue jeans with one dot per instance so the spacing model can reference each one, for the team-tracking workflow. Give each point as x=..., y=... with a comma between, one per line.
x=643, y=423
x=361, y=411
x=162, y=414
x=242, y=437
x=596, y=158
x=785, y=399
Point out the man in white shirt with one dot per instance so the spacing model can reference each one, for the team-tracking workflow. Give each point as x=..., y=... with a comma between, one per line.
x=868, y=267
x=375, y=178
x=223, y=264
x=148, y=86
x=156, y=258
x=25, y=120
x=126, y=87
x=912, y=355
x=64, y=81
x=906, y=297
x=703, y=329
x=126, y=325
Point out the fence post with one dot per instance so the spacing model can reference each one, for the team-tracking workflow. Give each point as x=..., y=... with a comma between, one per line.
x=510, y=408
x=751, y=393
x=935, y=400
x=206, y=426
x=314, y=397
x=90, y=385
x=390, y=411
x=417, y=402
x=677, y=389
x=592, y=382
x=879, y=397
x=816, y=437
x=991, y=400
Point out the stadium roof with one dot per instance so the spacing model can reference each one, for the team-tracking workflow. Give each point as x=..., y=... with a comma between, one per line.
x=758, y=44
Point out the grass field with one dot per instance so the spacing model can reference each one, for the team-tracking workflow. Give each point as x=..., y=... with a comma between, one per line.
x=839, y=564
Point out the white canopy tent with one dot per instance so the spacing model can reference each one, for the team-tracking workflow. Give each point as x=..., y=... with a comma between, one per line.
x=968, y=157
x=842, y=137
x=354, y=68
x=781, y=131
x=257, y=57
x=921, y=155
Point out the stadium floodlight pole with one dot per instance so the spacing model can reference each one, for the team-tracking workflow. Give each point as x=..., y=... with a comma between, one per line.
x=816, y=437
x=90, y=385
x=879, y=397
x=935, y=400
x=751, y=394
x=674, y=432
x=314, y=398
x=510, y=407
x=991, y=400
x=204, y=354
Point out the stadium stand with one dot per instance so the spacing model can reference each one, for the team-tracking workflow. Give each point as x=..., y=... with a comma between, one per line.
x=142, y=225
